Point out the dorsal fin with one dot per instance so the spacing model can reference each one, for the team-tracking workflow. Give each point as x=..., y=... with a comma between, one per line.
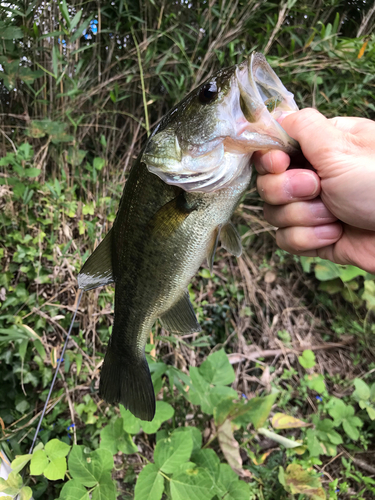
x=231, y=240
x=180, y=318
x=97, y=270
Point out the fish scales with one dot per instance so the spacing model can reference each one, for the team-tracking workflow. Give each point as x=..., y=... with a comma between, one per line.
x=177, y=202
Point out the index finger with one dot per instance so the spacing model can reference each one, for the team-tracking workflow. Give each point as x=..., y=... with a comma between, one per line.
x=271, y=162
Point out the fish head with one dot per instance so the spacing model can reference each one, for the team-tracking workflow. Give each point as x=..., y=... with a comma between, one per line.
x=206, y=141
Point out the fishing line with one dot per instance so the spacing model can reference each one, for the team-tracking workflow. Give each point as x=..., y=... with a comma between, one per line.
x=56, y=372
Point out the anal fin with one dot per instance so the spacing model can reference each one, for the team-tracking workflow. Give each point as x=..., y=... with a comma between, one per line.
x=97, y=270
x=231, y=240
x=180, y=318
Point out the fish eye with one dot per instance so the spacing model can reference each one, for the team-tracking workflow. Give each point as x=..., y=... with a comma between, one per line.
x=208, y=93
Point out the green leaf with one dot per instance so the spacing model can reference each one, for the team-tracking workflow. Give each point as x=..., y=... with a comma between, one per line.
x=226, y=479
x=115, y=439
x=348, y=273
x=74, y=490
x=11, y=33
x=230, y=487
x=12, y=485
x=344, y=414
x=307, y=360
x=258, y=411
x=315, y=382
x=163, y=412
x=199, y=391
x=195, y=435
x=150, y=484
x=221, y=393
x=313, y=444
x=55, y=469
x=326, y=270
x=25, y=493
x=89, y=468
x=75, y=20
x=38, y=462
x=64, y=11
x=173, y=451
x=362, y=390
x=351, y=429
x=56, y=449
x=208, y=460
x=99, y=163
x=106, y=489
x=32, y=172
x=339, y=411
x=369, y=294
x=131, y=423
x=217, y=370
x=19, y=462
x=192, y=484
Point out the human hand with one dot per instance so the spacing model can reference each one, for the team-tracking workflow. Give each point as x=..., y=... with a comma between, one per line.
x=329, y=213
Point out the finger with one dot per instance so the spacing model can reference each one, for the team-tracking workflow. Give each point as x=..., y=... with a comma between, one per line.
x=313, y=131
x=292, y=185
x=304, y=239
x=300, y=213
x=356, y=247
x=271, y=162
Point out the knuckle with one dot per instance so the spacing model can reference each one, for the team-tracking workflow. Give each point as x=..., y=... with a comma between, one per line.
x=295, y=240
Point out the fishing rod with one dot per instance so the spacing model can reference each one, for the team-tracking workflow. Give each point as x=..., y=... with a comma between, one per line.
x=56, y=372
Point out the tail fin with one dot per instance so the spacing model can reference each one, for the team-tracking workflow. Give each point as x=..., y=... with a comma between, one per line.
x=127, y=380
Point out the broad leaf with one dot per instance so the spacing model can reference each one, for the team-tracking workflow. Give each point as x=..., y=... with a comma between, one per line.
x=150, y=484
x=173, y=451
x=217, y=370
x=74, y=490
x=192, y=484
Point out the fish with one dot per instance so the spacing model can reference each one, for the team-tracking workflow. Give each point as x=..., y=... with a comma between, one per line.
x=176, y=207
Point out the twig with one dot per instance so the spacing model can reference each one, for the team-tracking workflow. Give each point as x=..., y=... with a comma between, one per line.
x=10, y=140
x=269, y=353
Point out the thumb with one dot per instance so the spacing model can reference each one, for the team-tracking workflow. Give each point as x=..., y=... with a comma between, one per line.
x=316, y=135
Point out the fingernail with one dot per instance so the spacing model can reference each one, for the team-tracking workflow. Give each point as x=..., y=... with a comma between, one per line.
x=302, y=184
x=328, y=232
x=320, y=211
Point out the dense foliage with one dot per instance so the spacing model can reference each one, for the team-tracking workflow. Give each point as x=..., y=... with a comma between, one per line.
x=275, y=399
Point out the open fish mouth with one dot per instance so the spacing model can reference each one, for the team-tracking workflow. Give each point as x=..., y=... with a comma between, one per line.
x=206, y=142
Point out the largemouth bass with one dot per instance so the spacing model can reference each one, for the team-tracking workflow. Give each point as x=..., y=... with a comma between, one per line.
x=176, y=206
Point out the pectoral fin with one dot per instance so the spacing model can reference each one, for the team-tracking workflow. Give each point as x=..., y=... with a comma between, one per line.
x=97, y=270
x=213, y=246
x=169, y=217
x=231, y=240
x=181, y=317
